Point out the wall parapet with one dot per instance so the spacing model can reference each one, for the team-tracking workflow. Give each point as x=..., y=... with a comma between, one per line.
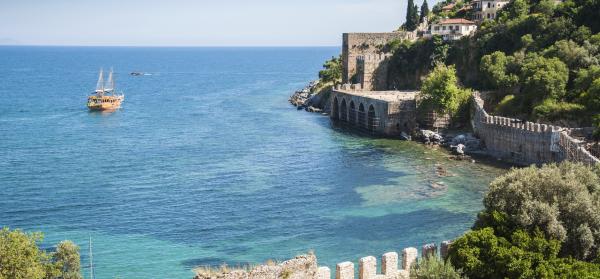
x=305, y=267
x=525, y=142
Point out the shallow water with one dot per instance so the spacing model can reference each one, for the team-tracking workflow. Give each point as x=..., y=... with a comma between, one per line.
x=207, y=163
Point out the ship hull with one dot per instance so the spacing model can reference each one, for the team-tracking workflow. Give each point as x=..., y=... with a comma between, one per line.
x=107, y=104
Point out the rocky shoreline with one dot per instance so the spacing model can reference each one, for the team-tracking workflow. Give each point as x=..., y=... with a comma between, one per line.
x=308, y=98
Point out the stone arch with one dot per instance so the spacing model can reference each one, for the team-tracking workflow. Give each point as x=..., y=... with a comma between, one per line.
x=335, y=110
x=343, y=110
x=361, y=115
x=352, y=113
x=372, y=121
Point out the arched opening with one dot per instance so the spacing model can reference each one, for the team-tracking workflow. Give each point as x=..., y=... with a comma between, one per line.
x=343, y=111
x=352, y=113
x=335, y=108
x=361, y=115
x=372, y=121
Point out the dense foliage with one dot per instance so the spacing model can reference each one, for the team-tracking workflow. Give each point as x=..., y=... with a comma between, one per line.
x=332, y=72
x=21, y=258
x=440, y=91
x=412, y=16
x=541, y=55
x=433, y=268
x=537, y=223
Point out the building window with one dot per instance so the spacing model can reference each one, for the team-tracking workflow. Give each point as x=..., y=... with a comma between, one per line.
x=488, y=15
x=436, y=28
x=489, y=5
x=444, y=28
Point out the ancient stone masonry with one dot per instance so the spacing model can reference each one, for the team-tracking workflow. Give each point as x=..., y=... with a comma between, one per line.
x=379, y=112
x=305, y=267
x=362, y=57
x=523, y=142
x=371, y=71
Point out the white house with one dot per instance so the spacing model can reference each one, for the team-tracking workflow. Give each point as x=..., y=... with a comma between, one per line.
x=451, y=29
x=486, y=9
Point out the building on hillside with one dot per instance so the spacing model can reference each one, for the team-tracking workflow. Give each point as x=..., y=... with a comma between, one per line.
x=451, y=29
x=485, y=9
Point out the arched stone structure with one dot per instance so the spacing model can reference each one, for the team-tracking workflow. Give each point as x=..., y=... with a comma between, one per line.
x=335, y=109
x=343, y=110
x=352, y=113
x=372, y=120
x=361, y=116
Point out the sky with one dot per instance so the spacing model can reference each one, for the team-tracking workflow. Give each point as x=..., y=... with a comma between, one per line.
x=194, y=23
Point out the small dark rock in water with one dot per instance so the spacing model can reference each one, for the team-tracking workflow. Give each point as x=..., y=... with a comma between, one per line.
x=404, y=136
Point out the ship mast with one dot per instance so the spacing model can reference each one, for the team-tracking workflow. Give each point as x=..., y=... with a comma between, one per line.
x=110, y=84
x=100, y=83
x=91, y=260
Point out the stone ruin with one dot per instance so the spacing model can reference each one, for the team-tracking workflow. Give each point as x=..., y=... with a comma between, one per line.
x=306, y=267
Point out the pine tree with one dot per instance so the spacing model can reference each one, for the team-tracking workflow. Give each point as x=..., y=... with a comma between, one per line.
x=424, y=11
x=415, y=16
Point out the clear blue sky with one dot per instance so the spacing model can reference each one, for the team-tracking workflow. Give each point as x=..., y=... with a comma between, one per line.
x=194, y=23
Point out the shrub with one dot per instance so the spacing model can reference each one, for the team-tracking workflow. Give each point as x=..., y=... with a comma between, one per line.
x=440, y=91
x=21, y=258
x=552, y=110
x=483, y=254
x=433, y=268
x=563, y=200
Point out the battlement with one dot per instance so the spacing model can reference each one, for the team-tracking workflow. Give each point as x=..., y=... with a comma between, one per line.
x=524, y=142
x=391, y=266
x=373, y=58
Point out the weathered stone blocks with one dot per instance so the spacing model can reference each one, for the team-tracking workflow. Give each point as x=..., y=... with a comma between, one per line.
x=344, y=270
x=367, y=267
x=389, y=263
x=409, y=256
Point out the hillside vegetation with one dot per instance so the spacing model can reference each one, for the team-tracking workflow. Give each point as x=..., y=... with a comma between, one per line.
x=540, y=58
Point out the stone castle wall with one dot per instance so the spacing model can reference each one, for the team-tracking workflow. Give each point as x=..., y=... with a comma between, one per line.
x=357, y=45
x=372, y=71
x=523, y=142
x=305, y=267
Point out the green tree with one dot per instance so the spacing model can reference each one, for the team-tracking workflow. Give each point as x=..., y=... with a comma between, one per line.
x=563, y=200
x=516, y=9
x=67, y=260
x=424, y=11
x=21, y=258
x=332, y=72
x=412, y=16
x=544, y=78
x=484, y=254
x=433, y=268
x=440, y=91
x=498, y=69
x=572, y=54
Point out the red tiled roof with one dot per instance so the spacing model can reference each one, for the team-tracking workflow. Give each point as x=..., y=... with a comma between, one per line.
x=456, y=21
x=448, y=7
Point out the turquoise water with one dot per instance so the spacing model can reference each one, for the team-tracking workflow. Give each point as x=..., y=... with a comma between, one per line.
x=207, y=163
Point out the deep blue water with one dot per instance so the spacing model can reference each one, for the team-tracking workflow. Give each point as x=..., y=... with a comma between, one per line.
x=207, y=163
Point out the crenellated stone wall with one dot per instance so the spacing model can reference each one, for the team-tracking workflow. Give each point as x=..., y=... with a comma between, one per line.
x=523, y=142
x=305, y=267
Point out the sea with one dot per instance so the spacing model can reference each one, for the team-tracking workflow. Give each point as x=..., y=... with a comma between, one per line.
x=207, y=163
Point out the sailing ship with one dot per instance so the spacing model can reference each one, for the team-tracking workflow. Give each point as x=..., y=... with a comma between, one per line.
x=105, y=98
